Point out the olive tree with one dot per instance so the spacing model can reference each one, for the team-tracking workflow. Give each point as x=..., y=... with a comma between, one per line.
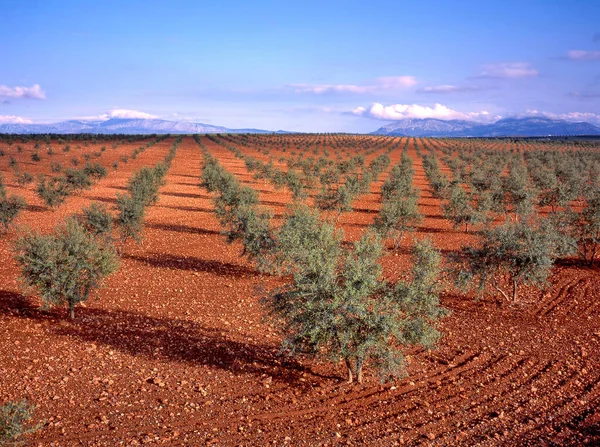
x=53, y=191
x=458, y=209
x=398, y=216
x=66, y=266
x=515, y=253
x=338, y=305
x=10, y=206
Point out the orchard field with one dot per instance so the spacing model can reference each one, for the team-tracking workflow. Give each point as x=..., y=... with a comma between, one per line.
x=177, y=346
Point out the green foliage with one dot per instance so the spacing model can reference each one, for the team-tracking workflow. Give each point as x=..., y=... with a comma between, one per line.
x=339, y=306
x=145, y=183
x=10, y=206
x=14, y=417
x=459, y=210
x=97, y=220
x=520, y=193
x=95, y=170
x=24, y=178
x=583, y=227
x=77, y=179
x=66, y=266
x=398, y=215
x=53, y=191
x=439, y=182
x=515, y=253
x=130, y=217
x=400, y=180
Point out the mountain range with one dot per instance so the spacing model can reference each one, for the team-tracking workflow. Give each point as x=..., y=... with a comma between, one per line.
x=532, y=126
x=427, y=127
x=123, y=126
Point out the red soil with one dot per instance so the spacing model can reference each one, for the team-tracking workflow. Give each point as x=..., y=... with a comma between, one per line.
x=175, y=352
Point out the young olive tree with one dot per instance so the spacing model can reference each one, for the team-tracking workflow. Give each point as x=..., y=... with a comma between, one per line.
x=66, y=266
x=97, y=220
x=10, y=206
x=515, y=253
x=584, y=226
x=52, y=191
x=398, y=215
x=459, y=209
x=338, y=304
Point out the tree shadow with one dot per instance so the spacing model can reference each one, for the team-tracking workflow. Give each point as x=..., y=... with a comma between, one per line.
x=434, y=230
x=366, y=210
x=103, y=199
x=180, y=228
x=187, y=184
x=193, y=209
x=164, y=260
x=272, y=203
x=185, y=195
x=36, y=208
x=168, y=339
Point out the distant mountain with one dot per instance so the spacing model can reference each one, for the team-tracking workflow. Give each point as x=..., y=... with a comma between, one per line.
x=523, y=127
x=124, y=126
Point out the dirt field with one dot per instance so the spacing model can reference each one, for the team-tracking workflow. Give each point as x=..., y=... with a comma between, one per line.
x=175, y=351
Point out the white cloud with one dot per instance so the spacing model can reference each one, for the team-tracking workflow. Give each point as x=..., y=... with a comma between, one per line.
x=396, y=112
x=119, y=113
x=509, y=70
x=569, y=116
x=583, y=55
x=381, y=84
x=33, y=92
x=125, y=113
x=11, y=119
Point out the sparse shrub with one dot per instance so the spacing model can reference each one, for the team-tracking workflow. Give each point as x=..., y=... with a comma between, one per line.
x=14, y=418
x=56, y=167
x=10, y=206
x=97, y=220
x=77, y=179
x=53, y=191
x=95, y=170
x=24, y=178
x=35, y=157
x=66, y=266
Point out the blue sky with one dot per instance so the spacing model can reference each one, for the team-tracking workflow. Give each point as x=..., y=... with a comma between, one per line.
x=318, y=66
